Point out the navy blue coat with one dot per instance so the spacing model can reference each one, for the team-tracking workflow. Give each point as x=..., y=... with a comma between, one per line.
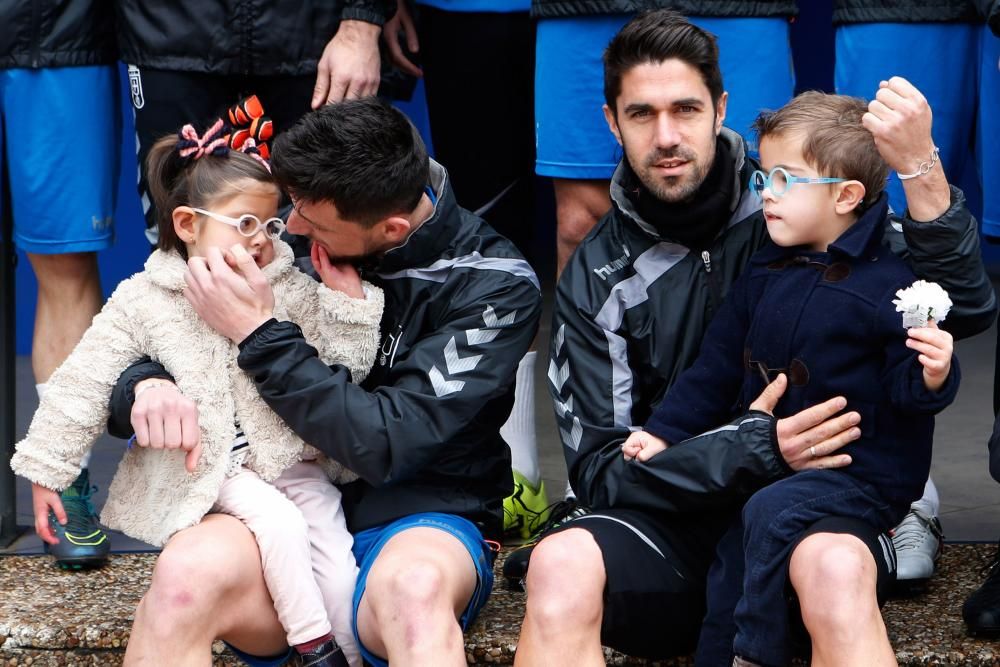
x=827, y=320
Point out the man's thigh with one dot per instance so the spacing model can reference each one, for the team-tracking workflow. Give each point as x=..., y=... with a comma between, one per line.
x=653, y=601
x=451, y=544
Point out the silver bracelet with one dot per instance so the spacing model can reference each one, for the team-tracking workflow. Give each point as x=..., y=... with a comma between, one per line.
x=152, y=385
x=924, y=167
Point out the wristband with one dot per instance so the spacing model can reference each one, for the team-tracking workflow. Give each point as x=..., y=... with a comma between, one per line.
x=924, y=167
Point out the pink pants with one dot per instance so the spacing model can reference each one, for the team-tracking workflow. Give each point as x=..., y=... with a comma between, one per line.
x=305, y=549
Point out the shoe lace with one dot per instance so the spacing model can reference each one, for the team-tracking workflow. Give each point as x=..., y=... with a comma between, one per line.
x=80, y=509
x=912, y=532
x=557, y=514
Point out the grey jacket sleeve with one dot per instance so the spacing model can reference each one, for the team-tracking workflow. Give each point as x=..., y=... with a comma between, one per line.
x=946, y=251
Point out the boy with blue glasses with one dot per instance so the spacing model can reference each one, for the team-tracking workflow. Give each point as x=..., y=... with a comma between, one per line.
x=815, y=312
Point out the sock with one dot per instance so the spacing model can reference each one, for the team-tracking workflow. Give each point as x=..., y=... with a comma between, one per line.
x=930, y=502
x=519, y=430
x=42, y=388
x=305, y=647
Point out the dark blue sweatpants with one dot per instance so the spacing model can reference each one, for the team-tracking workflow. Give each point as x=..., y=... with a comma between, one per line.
x=747, y=584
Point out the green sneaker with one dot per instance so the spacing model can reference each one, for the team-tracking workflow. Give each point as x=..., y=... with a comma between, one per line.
x=82, y=541
x=526, y=510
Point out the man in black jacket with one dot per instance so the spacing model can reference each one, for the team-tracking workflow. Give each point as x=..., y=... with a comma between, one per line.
x=631, y=309
x=422, y=431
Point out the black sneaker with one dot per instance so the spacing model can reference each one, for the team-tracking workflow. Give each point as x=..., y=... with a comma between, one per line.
x=327, y=654
x=981, y=610
x=515, y=568
x=82, y=541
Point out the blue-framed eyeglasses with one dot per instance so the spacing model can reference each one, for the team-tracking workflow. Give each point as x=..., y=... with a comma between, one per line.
x=779, y=181
x=248, y=224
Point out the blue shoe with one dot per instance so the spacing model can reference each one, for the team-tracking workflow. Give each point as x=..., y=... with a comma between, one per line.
x=82, y=541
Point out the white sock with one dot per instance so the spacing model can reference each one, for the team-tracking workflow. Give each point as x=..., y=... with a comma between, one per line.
x=519, y=430
x=43, y=387
x=930, y=502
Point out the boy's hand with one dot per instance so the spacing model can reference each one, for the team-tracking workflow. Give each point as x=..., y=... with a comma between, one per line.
x=43, y=500
x=341, y=277
x=642, y=446
x=935, y=347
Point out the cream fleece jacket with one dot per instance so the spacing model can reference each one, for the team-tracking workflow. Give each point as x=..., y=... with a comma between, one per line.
x=152, y=495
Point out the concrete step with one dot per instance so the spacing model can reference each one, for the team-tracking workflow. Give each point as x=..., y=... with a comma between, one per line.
x=52, y=617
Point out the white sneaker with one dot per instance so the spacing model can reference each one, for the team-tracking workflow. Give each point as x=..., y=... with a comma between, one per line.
x=917, y=541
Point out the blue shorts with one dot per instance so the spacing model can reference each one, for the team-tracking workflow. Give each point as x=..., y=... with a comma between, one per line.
x=60, y=143
x=368, y=544
x=943, y=68
x=572, y=137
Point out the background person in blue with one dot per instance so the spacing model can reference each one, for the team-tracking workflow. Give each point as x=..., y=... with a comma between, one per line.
x=60, y=154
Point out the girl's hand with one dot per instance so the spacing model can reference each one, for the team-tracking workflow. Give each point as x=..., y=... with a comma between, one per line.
x=43, y=500
x=935, y=347
x=642, y=446
x=341, y=277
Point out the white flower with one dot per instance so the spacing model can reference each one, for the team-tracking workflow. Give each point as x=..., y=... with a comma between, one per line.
x=920, y=302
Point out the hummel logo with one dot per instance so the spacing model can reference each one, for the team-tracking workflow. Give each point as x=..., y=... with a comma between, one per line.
x=605, y=271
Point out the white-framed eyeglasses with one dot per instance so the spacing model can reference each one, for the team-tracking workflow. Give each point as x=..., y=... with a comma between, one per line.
x=248, y=224
x=779, y=181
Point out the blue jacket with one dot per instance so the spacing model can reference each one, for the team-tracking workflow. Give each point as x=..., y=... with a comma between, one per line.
x=827, y=320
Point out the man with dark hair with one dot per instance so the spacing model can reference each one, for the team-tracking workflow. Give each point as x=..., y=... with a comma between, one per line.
x=422, y=431
x=631, y=309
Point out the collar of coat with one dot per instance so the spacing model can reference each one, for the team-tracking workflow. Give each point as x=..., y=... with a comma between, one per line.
x=166, y=268
x=740, y=208
x=867, y=231
x=435, y=235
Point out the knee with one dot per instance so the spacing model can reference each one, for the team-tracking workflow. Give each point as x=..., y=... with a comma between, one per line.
x=578, y=208
x=415, y=589
x=188, y=577
x=574, y=221
x=565, y=581
x=834, y=577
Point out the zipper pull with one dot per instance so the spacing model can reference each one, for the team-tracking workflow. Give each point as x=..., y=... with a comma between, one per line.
x=707, y=259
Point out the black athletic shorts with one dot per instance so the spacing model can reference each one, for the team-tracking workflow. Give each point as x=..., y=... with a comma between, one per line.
x=654, y=599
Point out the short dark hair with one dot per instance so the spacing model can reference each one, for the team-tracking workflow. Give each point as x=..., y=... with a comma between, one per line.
x=655, y=36
x=362, y=155
x=834, y=141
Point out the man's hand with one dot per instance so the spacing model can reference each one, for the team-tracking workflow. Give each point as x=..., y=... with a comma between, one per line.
x=402, y=22
x=642, y=446
x=43, y=500
x=163, y=418
x=342, y=276
x=900, y=120
x=808, y=438
x=935, y=347
x=349, y=66
x=229, y=292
